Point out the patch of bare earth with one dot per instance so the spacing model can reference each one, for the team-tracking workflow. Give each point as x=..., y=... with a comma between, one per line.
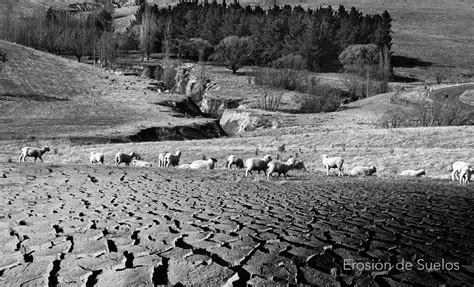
x=99, y=225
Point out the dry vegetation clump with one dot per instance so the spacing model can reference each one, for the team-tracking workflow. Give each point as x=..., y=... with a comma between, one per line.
x=426, y=114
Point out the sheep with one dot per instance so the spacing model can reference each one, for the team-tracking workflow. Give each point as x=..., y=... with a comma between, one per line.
x=333, y=162
x=278, y=167
x=363, y=171
x=125, y=158
x=234, y=160
x=141, y=163
x=465, y=175
x=257, y=164
x=161, y=159
x=457, y=167
x=415, y=173
x=96, y=157
x=32, y=152
x=297, y=165
x=203, y=164
x=172, y=159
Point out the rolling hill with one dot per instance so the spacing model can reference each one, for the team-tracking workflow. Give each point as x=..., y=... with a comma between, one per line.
x=46, y=96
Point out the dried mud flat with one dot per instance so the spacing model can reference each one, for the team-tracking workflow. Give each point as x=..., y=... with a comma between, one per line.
x=109, y=226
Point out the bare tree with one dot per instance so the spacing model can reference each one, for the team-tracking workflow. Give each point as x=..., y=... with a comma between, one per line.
x=107, y=48
x=167, y=38
x=148, y=29
x=440, y=74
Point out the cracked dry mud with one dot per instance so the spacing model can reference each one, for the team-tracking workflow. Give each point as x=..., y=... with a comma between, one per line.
x=109, y=226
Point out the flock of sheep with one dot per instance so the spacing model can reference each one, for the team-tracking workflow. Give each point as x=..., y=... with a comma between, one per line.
x=461, y=170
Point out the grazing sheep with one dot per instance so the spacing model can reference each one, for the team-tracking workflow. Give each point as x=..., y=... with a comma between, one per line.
x=125, y=158
x=257, y=164
x=96, y=157
x=32, y=152
x=172, y=159
x=161, y=159
x=203, y=164
x=298, y=165
x=234, y=160
x=363, y=171
x=415, y=173
x=278, y=167
x=141, y=163
x=465, y=176
x=457, y=167
x=333, y=162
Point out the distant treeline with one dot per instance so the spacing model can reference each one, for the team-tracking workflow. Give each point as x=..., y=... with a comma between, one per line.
x=318, y=35
x=65, y=32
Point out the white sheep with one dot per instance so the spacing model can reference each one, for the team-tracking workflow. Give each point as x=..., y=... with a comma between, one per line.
x=96, y=157
x=172, y=159
x=278, y=167
x=465, y=176
x=203, y=164
x=234, y=160
x=141, y=163
x=125, y=158
x=363, y=171
x=32, y=152
x=458, y=166
x=257, y=164
x=415, y=173
x=297, y=164
x=333, y=162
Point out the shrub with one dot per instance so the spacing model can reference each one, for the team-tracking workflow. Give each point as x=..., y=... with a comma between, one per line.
x=318, y=98
x=3, y=56
x=268, y=100
x=285, y=79
x=440, y=75
x=168, y=77
x=426, y=114
x=359, y=58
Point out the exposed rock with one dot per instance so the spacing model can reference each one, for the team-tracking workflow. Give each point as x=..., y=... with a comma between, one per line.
x=242, y=120
x=215, y=106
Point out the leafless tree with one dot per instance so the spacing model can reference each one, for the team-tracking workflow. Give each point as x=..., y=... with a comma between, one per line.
x=148, y=29
x=440, y=74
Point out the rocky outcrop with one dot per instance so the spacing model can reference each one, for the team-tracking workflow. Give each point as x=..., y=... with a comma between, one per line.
x=238, y=121
x=215, y=106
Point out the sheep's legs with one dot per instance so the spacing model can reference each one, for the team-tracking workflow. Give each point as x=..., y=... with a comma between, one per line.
x=454, y=175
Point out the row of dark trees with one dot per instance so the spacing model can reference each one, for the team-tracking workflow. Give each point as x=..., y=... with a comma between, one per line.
x=318, y=35
x=62, y=32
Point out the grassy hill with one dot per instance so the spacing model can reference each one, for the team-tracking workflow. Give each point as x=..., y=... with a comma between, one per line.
x=46, y=96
